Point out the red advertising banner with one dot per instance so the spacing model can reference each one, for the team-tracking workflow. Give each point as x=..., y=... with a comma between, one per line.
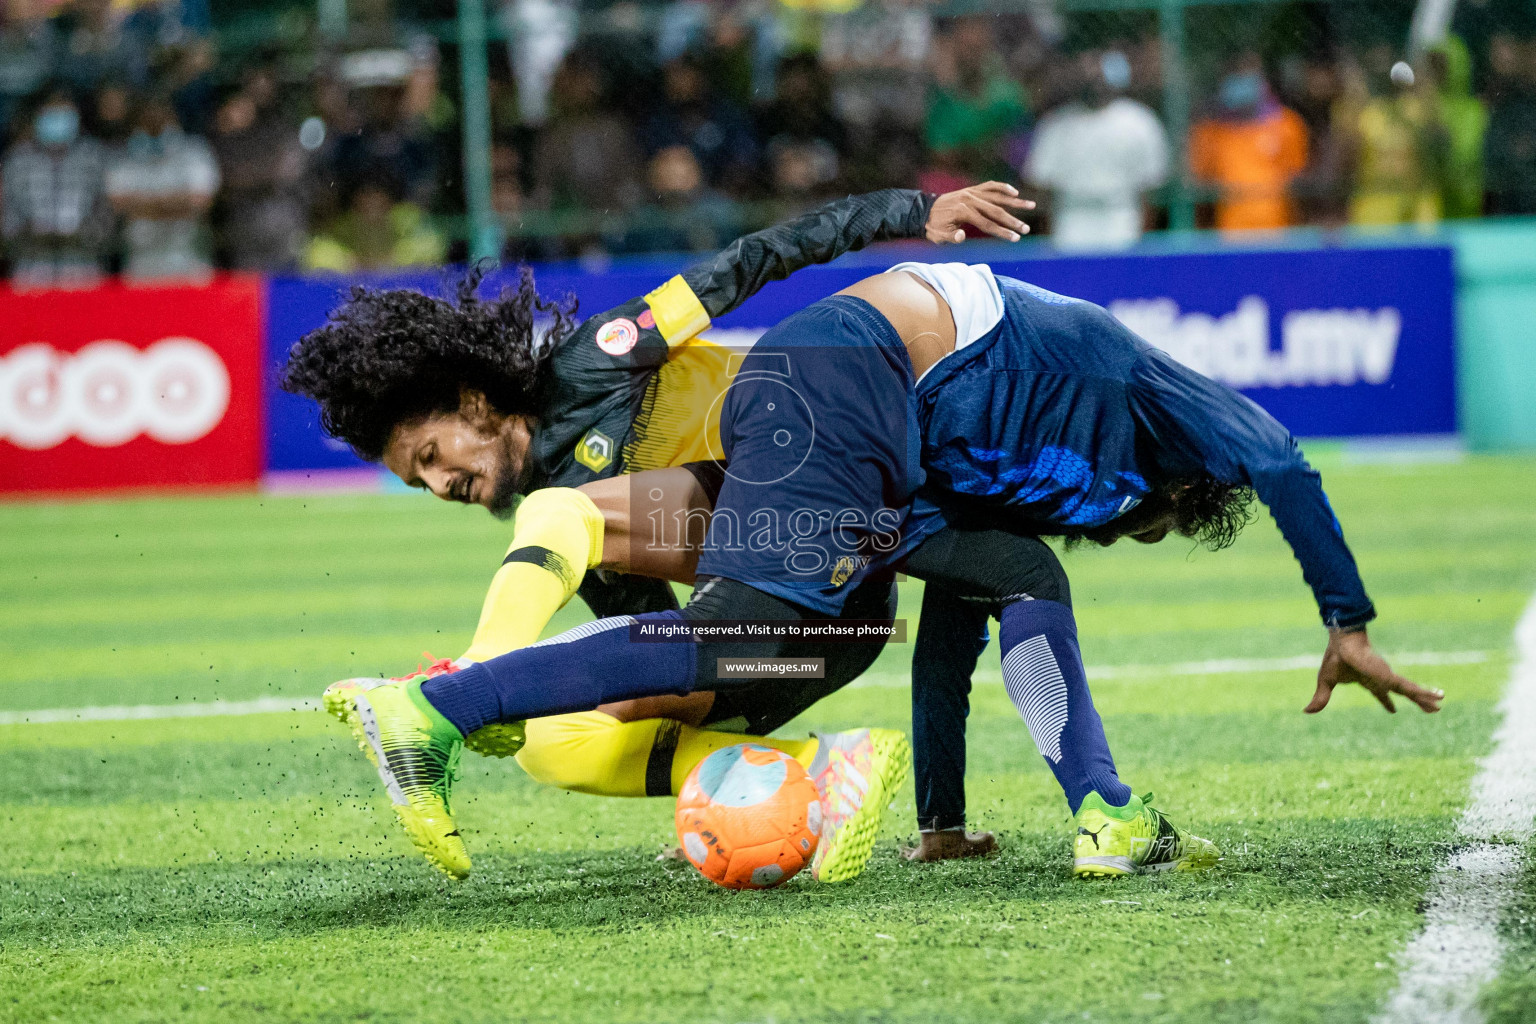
x=130, y=387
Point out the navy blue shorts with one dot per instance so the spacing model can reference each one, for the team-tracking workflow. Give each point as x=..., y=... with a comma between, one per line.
x=823, y=458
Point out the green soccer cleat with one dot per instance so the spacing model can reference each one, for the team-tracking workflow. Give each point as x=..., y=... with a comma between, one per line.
x=500, y=739
x=416, y=751
x=1134, y=839
x=857, y=774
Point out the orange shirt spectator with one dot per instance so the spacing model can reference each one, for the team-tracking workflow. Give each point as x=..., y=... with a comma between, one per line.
x=1251, y=152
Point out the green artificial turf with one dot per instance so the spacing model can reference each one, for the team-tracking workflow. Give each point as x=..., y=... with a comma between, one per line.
x=233, y=868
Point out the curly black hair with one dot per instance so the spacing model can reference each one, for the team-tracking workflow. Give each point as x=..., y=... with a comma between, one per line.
x=1213, y=512
x=1205, y=509
x=392, y=355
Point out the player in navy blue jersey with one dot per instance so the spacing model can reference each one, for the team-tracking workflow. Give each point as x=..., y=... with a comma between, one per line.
x=893, y=420
x=460, y=397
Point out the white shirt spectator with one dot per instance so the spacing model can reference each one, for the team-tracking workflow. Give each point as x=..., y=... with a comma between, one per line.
x=169, y=167
x=1097, y=162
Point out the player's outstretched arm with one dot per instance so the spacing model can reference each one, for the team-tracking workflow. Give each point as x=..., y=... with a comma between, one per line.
x=1351, y=659
x=1203, y=425
x=613, y=349
x=737, y=272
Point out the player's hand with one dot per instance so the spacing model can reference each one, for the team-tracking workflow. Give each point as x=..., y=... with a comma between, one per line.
x=984, y=207
x=1350, y=659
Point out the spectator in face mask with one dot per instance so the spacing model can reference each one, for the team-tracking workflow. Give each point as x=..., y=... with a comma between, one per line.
x=1098, y=154
x=163, y=185
x=1250, y=149
x=56, y=220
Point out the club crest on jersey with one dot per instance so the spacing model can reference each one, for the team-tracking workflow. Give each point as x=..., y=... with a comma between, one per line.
x=846, y=566
x=617, y=337
x=595, y=451
x=646, y=319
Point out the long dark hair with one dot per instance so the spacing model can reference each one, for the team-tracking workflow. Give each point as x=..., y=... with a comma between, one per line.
x=1205, y=509
x=391, y=355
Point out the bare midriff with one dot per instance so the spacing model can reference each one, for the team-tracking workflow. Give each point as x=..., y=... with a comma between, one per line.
x=916, y=310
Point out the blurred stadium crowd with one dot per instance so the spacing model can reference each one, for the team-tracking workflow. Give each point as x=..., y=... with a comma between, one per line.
x=152, y=140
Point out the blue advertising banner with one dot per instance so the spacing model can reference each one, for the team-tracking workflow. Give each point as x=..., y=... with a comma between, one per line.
x=1334, y=342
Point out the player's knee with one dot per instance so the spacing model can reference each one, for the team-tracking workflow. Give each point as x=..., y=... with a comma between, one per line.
x=564, y=526
x=582, y=752
x=1034, y=570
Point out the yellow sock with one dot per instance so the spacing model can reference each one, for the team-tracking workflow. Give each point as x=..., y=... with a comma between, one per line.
x=592, y=752
x=557, y=537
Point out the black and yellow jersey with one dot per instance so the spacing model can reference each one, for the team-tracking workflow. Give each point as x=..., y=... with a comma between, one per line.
x=635, y=387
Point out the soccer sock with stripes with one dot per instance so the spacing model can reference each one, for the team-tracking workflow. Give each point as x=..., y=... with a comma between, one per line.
x=1043, y=671
x=557, y=537
x=593, y=664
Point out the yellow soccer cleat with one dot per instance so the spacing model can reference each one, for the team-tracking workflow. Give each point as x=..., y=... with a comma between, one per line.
x=416, y=751
x=1134, y=839
x=857, y=774
x=339, y=701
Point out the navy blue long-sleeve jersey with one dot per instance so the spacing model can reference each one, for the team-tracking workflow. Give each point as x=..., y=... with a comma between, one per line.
x=1067, y=418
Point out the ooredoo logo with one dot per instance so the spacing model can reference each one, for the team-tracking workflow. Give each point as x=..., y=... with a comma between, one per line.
x=109, y=393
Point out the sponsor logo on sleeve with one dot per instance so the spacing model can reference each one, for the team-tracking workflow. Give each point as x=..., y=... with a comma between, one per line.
x=617, y=337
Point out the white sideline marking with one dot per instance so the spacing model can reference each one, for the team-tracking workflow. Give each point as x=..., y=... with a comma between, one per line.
x=1459, y=951
x=268, y=705
x=1224, y=666
x=135, y=712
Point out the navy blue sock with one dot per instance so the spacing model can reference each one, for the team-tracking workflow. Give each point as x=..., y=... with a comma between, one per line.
x=593, y=664
x=1043, y=670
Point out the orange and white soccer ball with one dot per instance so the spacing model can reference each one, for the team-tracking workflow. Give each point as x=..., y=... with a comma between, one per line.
x=748, y=817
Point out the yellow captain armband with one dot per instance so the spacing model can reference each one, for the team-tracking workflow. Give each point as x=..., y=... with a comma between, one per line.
x=679, y=313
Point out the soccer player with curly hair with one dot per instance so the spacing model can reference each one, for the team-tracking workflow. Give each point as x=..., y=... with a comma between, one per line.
x=485, y=400
x=896, y=422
